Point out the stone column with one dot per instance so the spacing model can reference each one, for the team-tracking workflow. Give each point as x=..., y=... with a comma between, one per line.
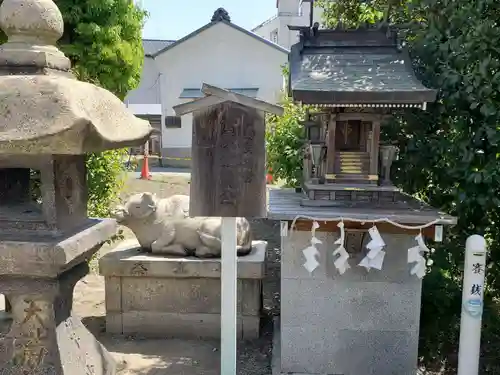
x=387, y=155
x=374, y=151
x=29, y=345
x=44, y=337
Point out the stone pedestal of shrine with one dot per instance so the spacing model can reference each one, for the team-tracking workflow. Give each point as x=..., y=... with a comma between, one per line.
x=358, y=323
x=174, y=297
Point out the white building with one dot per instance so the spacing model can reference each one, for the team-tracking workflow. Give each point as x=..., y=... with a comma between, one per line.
x=221, y=54
x=289, y=12
x=145, y=100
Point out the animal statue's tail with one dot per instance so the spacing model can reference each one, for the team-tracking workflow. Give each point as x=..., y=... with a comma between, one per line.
x=245, y=242
x=244, y=245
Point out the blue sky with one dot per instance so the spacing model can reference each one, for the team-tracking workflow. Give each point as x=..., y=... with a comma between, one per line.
x=173, y=19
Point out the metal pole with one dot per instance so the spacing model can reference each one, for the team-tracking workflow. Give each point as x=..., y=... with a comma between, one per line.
x=229, y=277
x=311, y=15
x=472, y=305
x=162, y=116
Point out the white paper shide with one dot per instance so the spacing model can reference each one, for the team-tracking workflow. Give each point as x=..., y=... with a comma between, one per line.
x=341, y=254
x=375, y=256
x=311, y=252
x=415, y=256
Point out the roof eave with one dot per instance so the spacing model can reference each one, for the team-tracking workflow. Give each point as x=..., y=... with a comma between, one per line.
x=210, y=24
x=364, y=97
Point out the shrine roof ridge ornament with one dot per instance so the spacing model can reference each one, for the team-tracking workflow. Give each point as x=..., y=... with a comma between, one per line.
x=43, y=108
x=364, y=65
x=215, y=95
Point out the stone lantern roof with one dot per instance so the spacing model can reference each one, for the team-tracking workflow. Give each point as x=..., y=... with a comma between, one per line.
x=43, y=108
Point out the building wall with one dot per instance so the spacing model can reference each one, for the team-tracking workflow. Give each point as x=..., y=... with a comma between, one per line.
x=289, y=12
x=221, y=56
x=146, y=100
x=266, y=29
x=148, y=91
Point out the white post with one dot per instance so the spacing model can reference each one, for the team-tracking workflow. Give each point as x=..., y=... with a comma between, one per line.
x=146, y=148
x=229, y=277
x=472, y=305
x=4, y=314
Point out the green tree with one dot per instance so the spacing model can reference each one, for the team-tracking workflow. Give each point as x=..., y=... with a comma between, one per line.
x=103, y=39
x=449, y=155
x=284, y=143
x=350, y=13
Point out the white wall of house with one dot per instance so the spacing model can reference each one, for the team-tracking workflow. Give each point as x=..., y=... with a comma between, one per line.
x=221, y=56
x=148, y=91
x=289, y=12
x=269, y=29
x=145, y=101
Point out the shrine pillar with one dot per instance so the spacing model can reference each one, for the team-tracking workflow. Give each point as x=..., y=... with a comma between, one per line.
x=330, y=153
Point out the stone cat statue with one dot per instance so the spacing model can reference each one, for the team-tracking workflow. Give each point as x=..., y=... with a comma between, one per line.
x=163, y=226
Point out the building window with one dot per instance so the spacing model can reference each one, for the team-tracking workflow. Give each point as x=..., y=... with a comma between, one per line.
x=172, y=121
x=274, y=36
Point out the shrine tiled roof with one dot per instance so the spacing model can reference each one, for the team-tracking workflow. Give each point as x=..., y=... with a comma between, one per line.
x=356, y=67
x=151, y=46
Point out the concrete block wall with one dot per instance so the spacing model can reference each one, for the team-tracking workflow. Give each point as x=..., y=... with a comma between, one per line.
x=359, y=323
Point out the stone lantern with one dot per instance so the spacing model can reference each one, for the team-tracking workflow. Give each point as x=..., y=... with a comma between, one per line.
x=48, y=122
x=316, y=148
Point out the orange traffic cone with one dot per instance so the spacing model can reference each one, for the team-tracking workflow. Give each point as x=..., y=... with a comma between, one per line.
x=145, y=169
x=269, y=177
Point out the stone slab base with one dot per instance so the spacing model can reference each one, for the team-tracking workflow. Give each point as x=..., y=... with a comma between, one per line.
x=358, y=323
x=172, y=297
x=276, y=355
x=172, y=325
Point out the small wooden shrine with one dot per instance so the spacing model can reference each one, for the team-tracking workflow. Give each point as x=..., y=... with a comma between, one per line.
x=343, y=312
x=355, y=78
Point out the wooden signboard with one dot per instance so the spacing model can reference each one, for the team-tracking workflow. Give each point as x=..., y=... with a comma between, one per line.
x=228, y=154
x=228, y=181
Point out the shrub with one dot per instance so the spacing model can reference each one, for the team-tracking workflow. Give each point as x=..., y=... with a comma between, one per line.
x=284, y=143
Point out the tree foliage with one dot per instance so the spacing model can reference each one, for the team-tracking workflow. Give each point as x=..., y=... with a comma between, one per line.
x=449, y=154
x=103, y=39
x=284, y=143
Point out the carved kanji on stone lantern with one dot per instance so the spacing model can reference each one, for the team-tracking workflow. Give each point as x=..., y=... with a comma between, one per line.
x=48, y=122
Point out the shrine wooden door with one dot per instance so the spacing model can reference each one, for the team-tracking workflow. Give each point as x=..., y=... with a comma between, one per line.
x=348, y=136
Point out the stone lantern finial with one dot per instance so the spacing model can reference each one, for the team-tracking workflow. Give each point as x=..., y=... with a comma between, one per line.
x=33, y=27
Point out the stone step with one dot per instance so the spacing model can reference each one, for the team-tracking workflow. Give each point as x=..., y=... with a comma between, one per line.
x=353, y=162
x=356, y=163
x=353, y=178
x=353, y=155
x=353, y=158
x=356, y=171
x=349, y=176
